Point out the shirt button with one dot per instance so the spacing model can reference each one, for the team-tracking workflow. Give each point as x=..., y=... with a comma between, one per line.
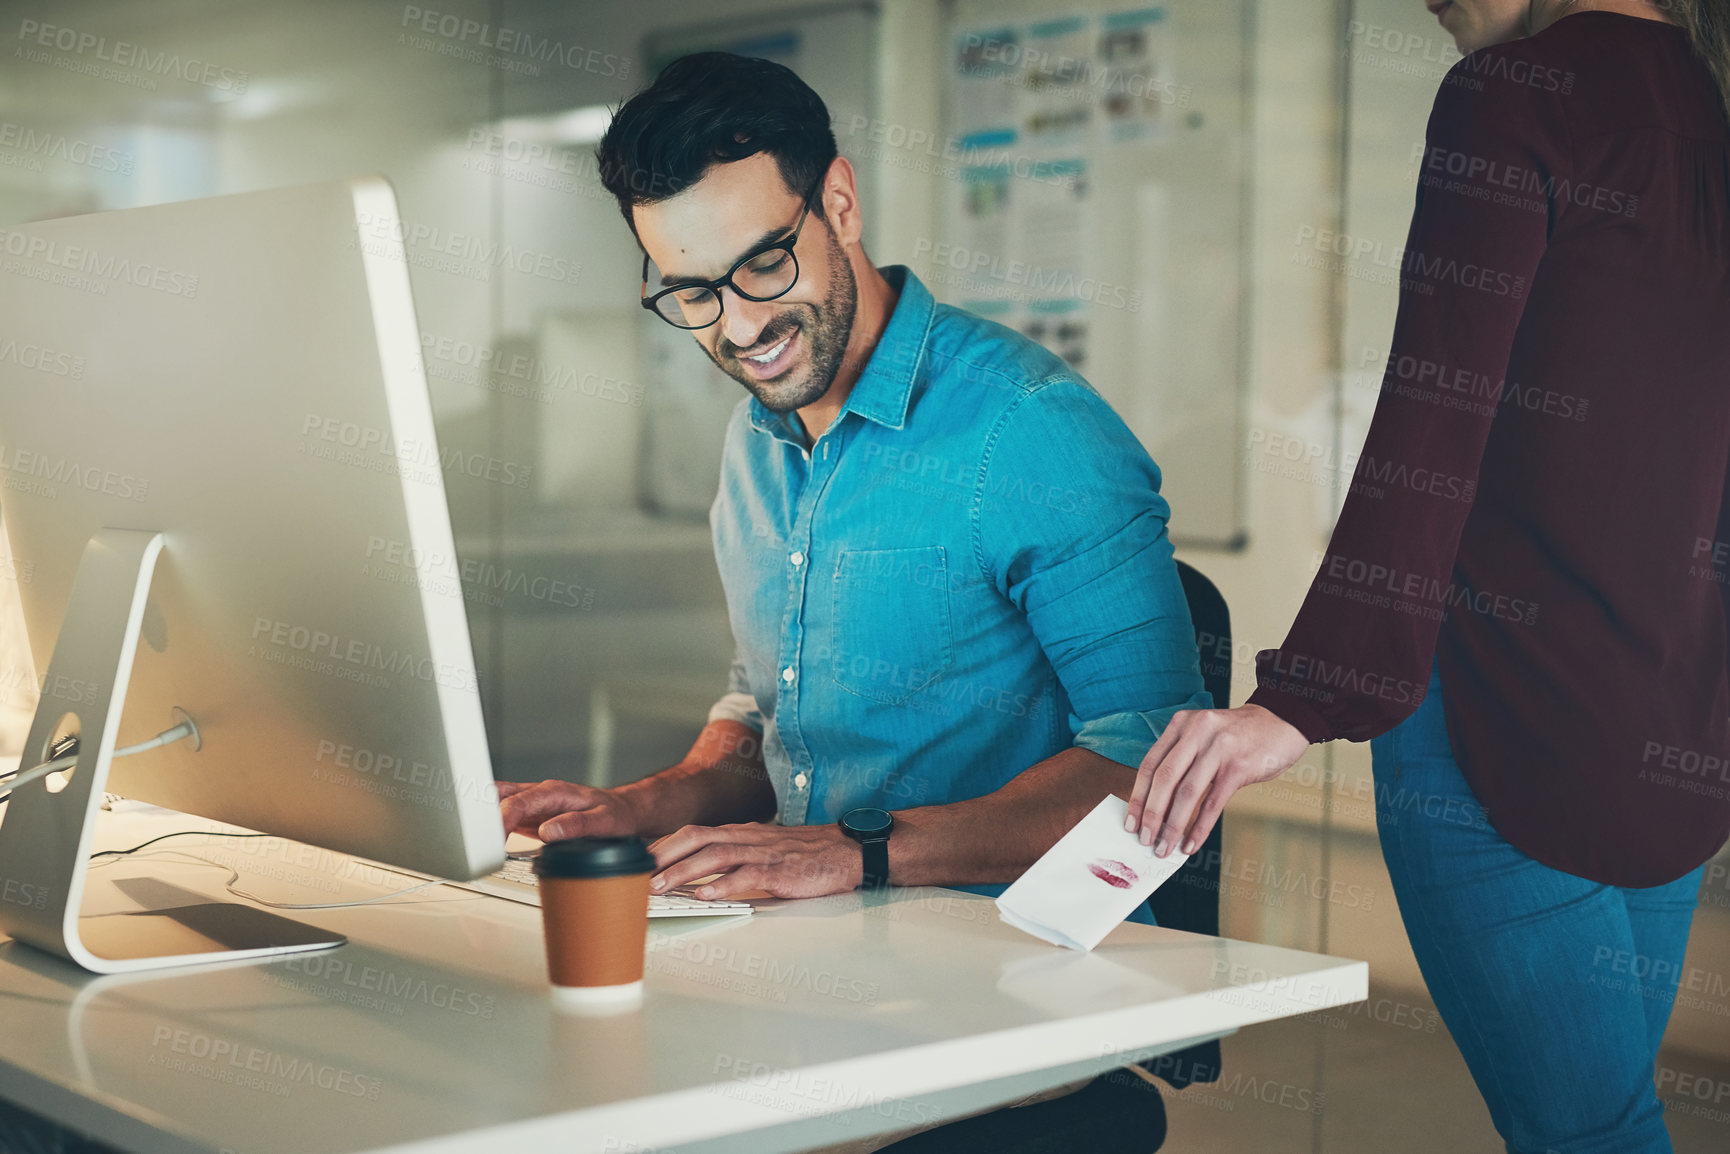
x=800, y=780
x=787, y=675
x=797, y=558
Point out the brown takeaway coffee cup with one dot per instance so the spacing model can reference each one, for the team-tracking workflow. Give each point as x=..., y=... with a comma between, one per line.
x=595, y=908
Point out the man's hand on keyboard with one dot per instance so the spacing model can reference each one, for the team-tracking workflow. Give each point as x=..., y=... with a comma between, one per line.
x=555, y=810
x=787, y=861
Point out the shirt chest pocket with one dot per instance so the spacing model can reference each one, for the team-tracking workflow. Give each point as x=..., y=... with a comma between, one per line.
x=893, y=635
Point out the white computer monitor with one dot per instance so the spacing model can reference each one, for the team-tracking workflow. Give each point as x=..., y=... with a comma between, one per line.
x=219, y=473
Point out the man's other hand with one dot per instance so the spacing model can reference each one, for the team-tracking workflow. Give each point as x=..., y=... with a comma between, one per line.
x=785, y=861
x=556, y=810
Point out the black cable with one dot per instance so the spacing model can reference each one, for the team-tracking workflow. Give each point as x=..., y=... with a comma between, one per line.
x=166, y=836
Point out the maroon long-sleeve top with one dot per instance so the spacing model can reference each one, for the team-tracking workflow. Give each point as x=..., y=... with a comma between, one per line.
x=1540, y=505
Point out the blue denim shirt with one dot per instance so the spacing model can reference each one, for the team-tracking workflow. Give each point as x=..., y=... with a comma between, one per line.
x=966, y=574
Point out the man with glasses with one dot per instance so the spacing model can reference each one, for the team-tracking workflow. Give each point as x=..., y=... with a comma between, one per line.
x=958, y=620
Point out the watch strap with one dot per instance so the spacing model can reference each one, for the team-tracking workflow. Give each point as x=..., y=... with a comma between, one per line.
x=876, y=850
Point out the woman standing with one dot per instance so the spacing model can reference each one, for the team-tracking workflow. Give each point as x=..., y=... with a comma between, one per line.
x=1524, y=602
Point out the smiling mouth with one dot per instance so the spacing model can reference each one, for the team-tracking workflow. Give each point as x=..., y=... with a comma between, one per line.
x=769, y=357
x=772, y=361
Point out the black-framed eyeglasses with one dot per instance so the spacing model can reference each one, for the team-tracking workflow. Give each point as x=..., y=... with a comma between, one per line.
x=760, y=275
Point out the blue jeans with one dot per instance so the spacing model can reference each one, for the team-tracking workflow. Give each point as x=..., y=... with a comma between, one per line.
x=1556, y=989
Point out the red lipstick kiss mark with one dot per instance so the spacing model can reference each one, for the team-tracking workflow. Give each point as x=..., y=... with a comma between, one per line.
x=1113, y=873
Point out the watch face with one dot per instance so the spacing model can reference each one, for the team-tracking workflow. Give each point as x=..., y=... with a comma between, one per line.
x=867, y=821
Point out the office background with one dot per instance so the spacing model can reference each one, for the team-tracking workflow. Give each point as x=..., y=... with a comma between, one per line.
x=1255, y=201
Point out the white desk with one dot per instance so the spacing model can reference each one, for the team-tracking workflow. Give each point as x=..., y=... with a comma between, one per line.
x=807, y=1024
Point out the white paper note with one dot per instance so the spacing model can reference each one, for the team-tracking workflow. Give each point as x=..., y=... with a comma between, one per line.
x=1086, y=884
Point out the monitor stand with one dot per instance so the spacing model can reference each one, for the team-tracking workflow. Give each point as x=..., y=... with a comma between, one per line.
x=46, y=836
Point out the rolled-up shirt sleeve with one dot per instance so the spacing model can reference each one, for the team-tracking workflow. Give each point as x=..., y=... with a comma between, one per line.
x=1071, y=528
x=737, y=704
x=1126, y=737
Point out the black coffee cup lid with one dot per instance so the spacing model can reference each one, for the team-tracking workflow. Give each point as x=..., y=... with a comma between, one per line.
x=594, y=857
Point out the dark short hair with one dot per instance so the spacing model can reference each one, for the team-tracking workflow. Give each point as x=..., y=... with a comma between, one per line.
x=710, y=108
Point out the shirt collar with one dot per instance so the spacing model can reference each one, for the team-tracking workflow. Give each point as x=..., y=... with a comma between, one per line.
x=884, y=390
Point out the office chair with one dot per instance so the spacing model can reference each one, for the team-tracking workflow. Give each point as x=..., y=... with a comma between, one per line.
x=1190, y=900
x=1122, y=1112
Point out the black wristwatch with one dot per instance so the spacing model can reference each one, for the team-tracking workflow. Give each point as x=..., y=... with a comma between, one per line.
x=870, y=828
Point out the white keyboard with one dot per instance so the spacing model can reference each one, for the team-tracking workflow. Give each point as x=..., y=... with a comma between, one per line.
x=517, y=882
